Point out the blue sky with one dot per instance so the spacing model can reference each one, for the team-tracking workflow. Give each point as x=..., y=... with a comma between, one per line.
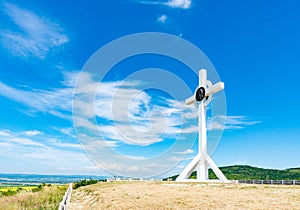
x=254, y=46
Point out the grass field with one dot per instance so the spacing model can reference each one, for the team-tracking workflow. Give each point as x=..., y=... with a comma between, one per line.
x=172, y=195
x=46, y=198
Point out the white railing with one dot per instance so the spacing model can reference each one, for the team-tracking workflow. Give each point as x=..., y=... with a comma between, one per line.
x=63, y=205
x=278, y=182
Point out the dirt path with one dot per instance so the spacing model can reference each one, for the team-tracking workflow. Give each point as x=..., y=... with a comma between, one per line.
x=169, y=195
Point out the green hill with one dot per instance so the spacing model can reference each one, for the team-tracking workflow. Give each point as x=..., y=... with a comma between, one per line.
x=243, y=172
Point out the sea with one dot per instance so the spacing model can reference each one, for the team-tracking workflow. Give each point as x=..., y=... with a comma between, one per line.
x=36, y=179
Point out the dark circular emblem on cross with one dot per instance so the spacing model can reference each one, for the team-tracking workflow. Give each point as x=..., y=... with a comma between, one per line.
x=200, y=94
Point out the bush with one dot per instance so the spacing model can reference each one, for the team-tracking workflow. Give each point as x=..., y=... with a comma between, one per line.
x=85, y=182
x=9, y=192
x=38, y=188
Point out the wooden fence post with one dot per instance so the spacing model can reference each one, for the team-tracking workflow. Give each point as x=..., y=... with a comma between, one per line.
x=63, y=205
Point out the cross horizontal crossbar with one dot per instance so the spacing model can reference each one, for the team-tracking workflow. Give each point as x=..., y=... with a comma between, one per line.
x=215, y=88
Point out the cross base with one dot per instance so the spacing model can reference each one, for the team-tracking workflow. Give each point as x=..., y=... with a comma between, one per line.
x=202, y=172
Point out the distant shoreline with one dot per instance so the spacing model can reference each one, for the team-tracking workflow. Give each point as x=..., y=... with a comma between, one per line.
x=37, y=179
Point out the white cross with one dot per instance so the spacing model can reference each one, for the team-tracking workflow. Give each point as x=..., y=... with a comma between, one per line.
x=202, y=97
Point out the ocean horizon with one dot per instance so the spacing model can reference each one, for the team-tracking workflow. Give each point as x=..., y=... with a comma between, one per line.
x=36, y=179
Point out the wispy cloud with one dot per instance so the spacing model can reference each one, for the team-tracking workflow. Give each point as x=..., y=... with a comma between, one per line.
x=231, y=122
x=57, y=102
x=126, y=113
x=182, y=4
x=162, y=18
x=33, y=133
x=240, y=122
x=43, y=149
x=4, y=133
x=186, y=152
x=11, y=138
x=136, y=116
x=34, y=35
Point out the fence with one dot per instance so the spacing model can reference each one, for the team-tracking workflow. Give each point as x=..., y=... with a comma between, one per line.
x=63, y=205
x=277, y=182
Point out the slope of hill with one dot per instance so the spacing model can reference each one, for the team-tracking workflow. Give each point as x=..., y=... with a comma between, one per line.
x=244, y=172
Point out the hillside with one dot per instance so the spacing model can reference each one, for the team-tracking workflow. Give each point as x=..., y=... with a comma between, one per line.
x=243, y=172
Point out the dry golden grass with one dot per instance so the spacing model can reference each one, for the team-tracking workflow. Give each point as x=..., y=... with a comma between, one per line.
x=170, y=195
x=48, y=198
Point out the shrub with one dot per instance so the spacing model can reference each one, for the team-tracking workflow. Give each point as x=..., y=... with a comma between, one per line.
x=85, y=182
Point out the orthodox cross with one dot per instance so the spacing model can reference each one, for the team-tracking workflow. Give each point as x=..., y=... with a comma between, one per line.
x=202, y=97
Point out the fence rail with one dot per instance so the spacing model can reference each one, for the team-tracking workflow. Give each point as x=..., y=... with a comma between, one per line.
x=63, y=205
x=275, y=182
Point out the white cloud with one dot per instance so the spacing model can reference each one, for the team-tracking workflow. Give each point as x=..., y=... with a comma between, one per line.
x=5, y=133
x=68, y=145
x=10, y=138
x=138, y=120
x=70, y=78
x=133, y=116
x=176, y=159
x=182, y=4
x=135, y=157
x=32, y=133
x=92, y=168
x=162, y=18
x=186, y=152
x=33, y=138
x=230, y=123
x=43, y=150
x=240, y=120
x=126, y=113
x=35, y=35
x=67, y=131
x=57, y=102
x=25, y=142
x=182, y=155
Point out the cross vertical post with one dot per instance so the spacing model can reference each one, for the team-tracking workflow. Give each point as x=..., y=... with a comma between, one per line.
x=202, y=172
x=202, y=161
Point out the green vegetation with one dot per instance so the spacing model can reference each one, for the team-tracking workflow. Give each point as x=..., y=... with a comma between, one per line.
x=240, y=172
x=9, y=191
x=86, y=182
x=15, y=188
x=44, y=197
